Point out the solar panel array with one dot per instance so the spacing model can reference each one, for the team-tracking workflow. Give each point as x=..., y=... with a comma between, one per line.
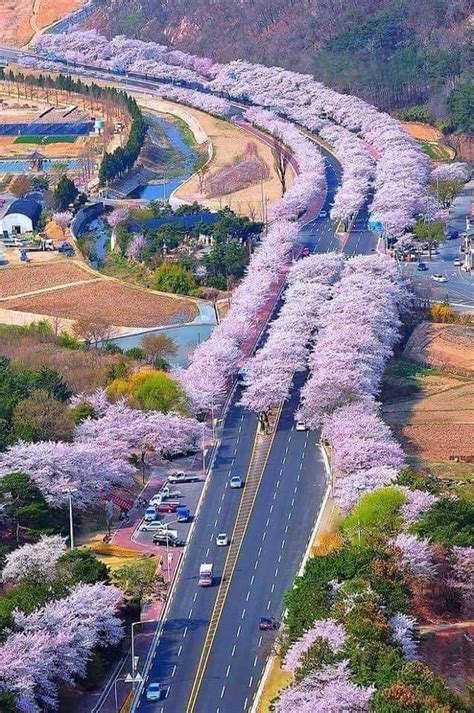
x=80, y=128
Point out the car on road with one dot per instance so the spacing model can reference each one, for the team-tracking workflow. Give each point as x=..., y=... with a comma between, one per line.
x=305, y=252
x=182, y=477
x=222, y=540
x=439, y=278
x=301, y=426
x=457, y=262
x=422, y=267
x=323, y=214
x=236, y=481
x=267, y=622
x=167, y=507
x=150, y=514
x=154, y=691
x=452, y=234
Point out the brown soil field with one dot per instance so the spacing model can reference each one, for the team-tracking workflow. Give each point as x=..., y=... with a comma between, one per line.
x=443, y=346
x=434, y=417
x=27, y=278
x=423, y=132
x=107, y=299
x=21, y=19
x=8, y=147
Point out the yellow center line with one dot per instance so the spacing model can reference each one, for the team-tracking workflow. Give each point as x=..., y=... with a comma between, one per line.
x=257, y=465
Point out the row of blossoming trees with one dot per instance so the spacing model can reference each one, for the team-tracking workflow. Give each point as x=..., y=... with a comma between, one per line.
x=44, y=650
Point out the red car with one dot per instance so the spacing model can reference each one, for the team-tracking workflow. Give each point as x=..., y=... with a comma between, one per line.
x=167, y=507
x=305, y=252
x=267, y=622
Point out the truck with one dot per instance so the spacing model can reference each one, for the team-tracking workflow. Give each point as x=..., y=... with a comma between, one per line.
x=183, y=514
x=205, y=575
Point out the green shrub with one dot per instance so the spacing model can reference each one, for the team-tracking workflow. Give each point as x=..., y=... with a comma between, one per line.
x=377, y=511
x=449, y=522
x=319, y=654
x=82, y=411
x=67, y=341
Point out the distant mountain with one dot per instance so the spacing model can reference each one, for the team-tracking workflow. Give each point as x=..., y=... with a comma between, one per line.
x=396, y=53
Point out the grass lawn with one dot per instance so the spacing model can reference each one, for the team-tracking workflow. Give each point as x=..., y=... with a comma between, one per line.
x=436, y=151
x=45, y=140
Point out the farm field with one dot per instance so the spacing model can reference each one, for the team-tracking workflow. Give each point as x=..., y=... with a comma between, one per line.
x=27, y=278
x=104, y=299
x=433, y=414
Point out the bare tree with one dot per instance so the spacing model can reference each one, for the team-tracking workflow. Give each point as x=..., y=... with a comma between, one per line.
x=280, y=160
x=94, y=331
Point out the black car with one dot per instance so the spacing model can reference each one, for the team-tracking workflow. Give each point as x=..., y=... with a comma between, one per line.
x=422, y=267
x=452, y=234
x=163, y=539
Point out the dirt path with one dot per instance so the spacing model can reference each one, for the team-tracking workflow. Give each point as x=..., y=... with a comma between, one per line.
x=35, y=11
x=433, y=628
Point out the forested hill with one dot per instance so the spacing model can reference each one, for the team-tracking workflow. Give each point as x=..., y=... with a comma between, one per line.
x=395, y=53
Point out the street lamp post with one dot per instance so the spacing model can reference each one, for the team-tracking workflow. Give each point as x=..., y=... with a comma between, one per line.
x=134, y=660
x=69, y=492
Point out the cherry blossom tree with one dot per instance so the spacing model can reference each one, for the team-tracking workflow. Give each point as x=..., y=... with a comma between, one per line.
x=36, y=561
x=327, y=629
x=136, y=246
x=415, y=555
x=463, y=575
x=403, y=629
x=55, y=643
x=93, y=470
x=62, y=220
x=129, y=428
x=417, y=502
x=271, y=371
x=327, y=690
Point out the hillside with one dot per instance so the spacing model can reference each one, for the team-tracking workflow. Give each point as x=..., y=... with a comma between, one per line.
x=398, y=54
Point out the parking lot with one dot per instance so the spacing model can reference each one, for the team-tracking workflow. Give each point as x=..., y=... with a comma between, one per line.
x=459, y=287
x=189, y=497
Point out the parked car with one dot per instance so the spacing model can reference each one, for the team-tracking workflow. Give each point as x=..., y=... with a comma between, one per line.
x=150, y=514
x=236, y=481
x=305, y=252
x=323, y=214
x=167, y=507
x=222, y=540
x=164, y=538
x=439, y=278
x=181, y=477
x=162, y=529
x=154, y=691
x=457, y=262
x=151, y=526
x=422, y=267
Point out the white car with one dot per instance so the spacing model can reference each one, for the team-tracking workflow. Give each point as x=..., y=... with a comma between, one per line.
x=182, y=477
x=301, y=426
x=439, y=278
x=222, y=540
x=457, y=262
x=151, y=526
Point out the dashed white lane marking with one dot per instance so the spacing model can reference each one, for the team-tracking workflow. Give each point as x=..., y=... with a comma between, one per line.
x=215, y=524
x=173, y=671
x=179, y=650
x=271, y=509
x=233, y=650
x=190, y=613
x=277, y=483
x=273, y=588
x=227, y=672
x=207, y=551
x=185, y=631
x=276, y=572
x=220, y=508
x=223, y=692
x=283, y=543
x=267, y=522
x=195, y=596
x=269, y=604
x=243, y=613
x=259, y=552
x=260, y=641
x=251, y=681
x=255, y=661
x=286, y=529
x=248, y=596
x=264, y=535
x=238, y=632
x=251, y=580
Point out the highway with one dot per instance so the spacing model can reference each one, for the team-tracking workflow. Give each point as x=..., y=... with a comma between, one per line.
x=281, y=517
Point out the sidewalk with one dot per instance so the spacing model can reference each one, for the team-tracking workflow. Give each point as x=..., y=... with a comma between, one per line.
x=124, y=537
